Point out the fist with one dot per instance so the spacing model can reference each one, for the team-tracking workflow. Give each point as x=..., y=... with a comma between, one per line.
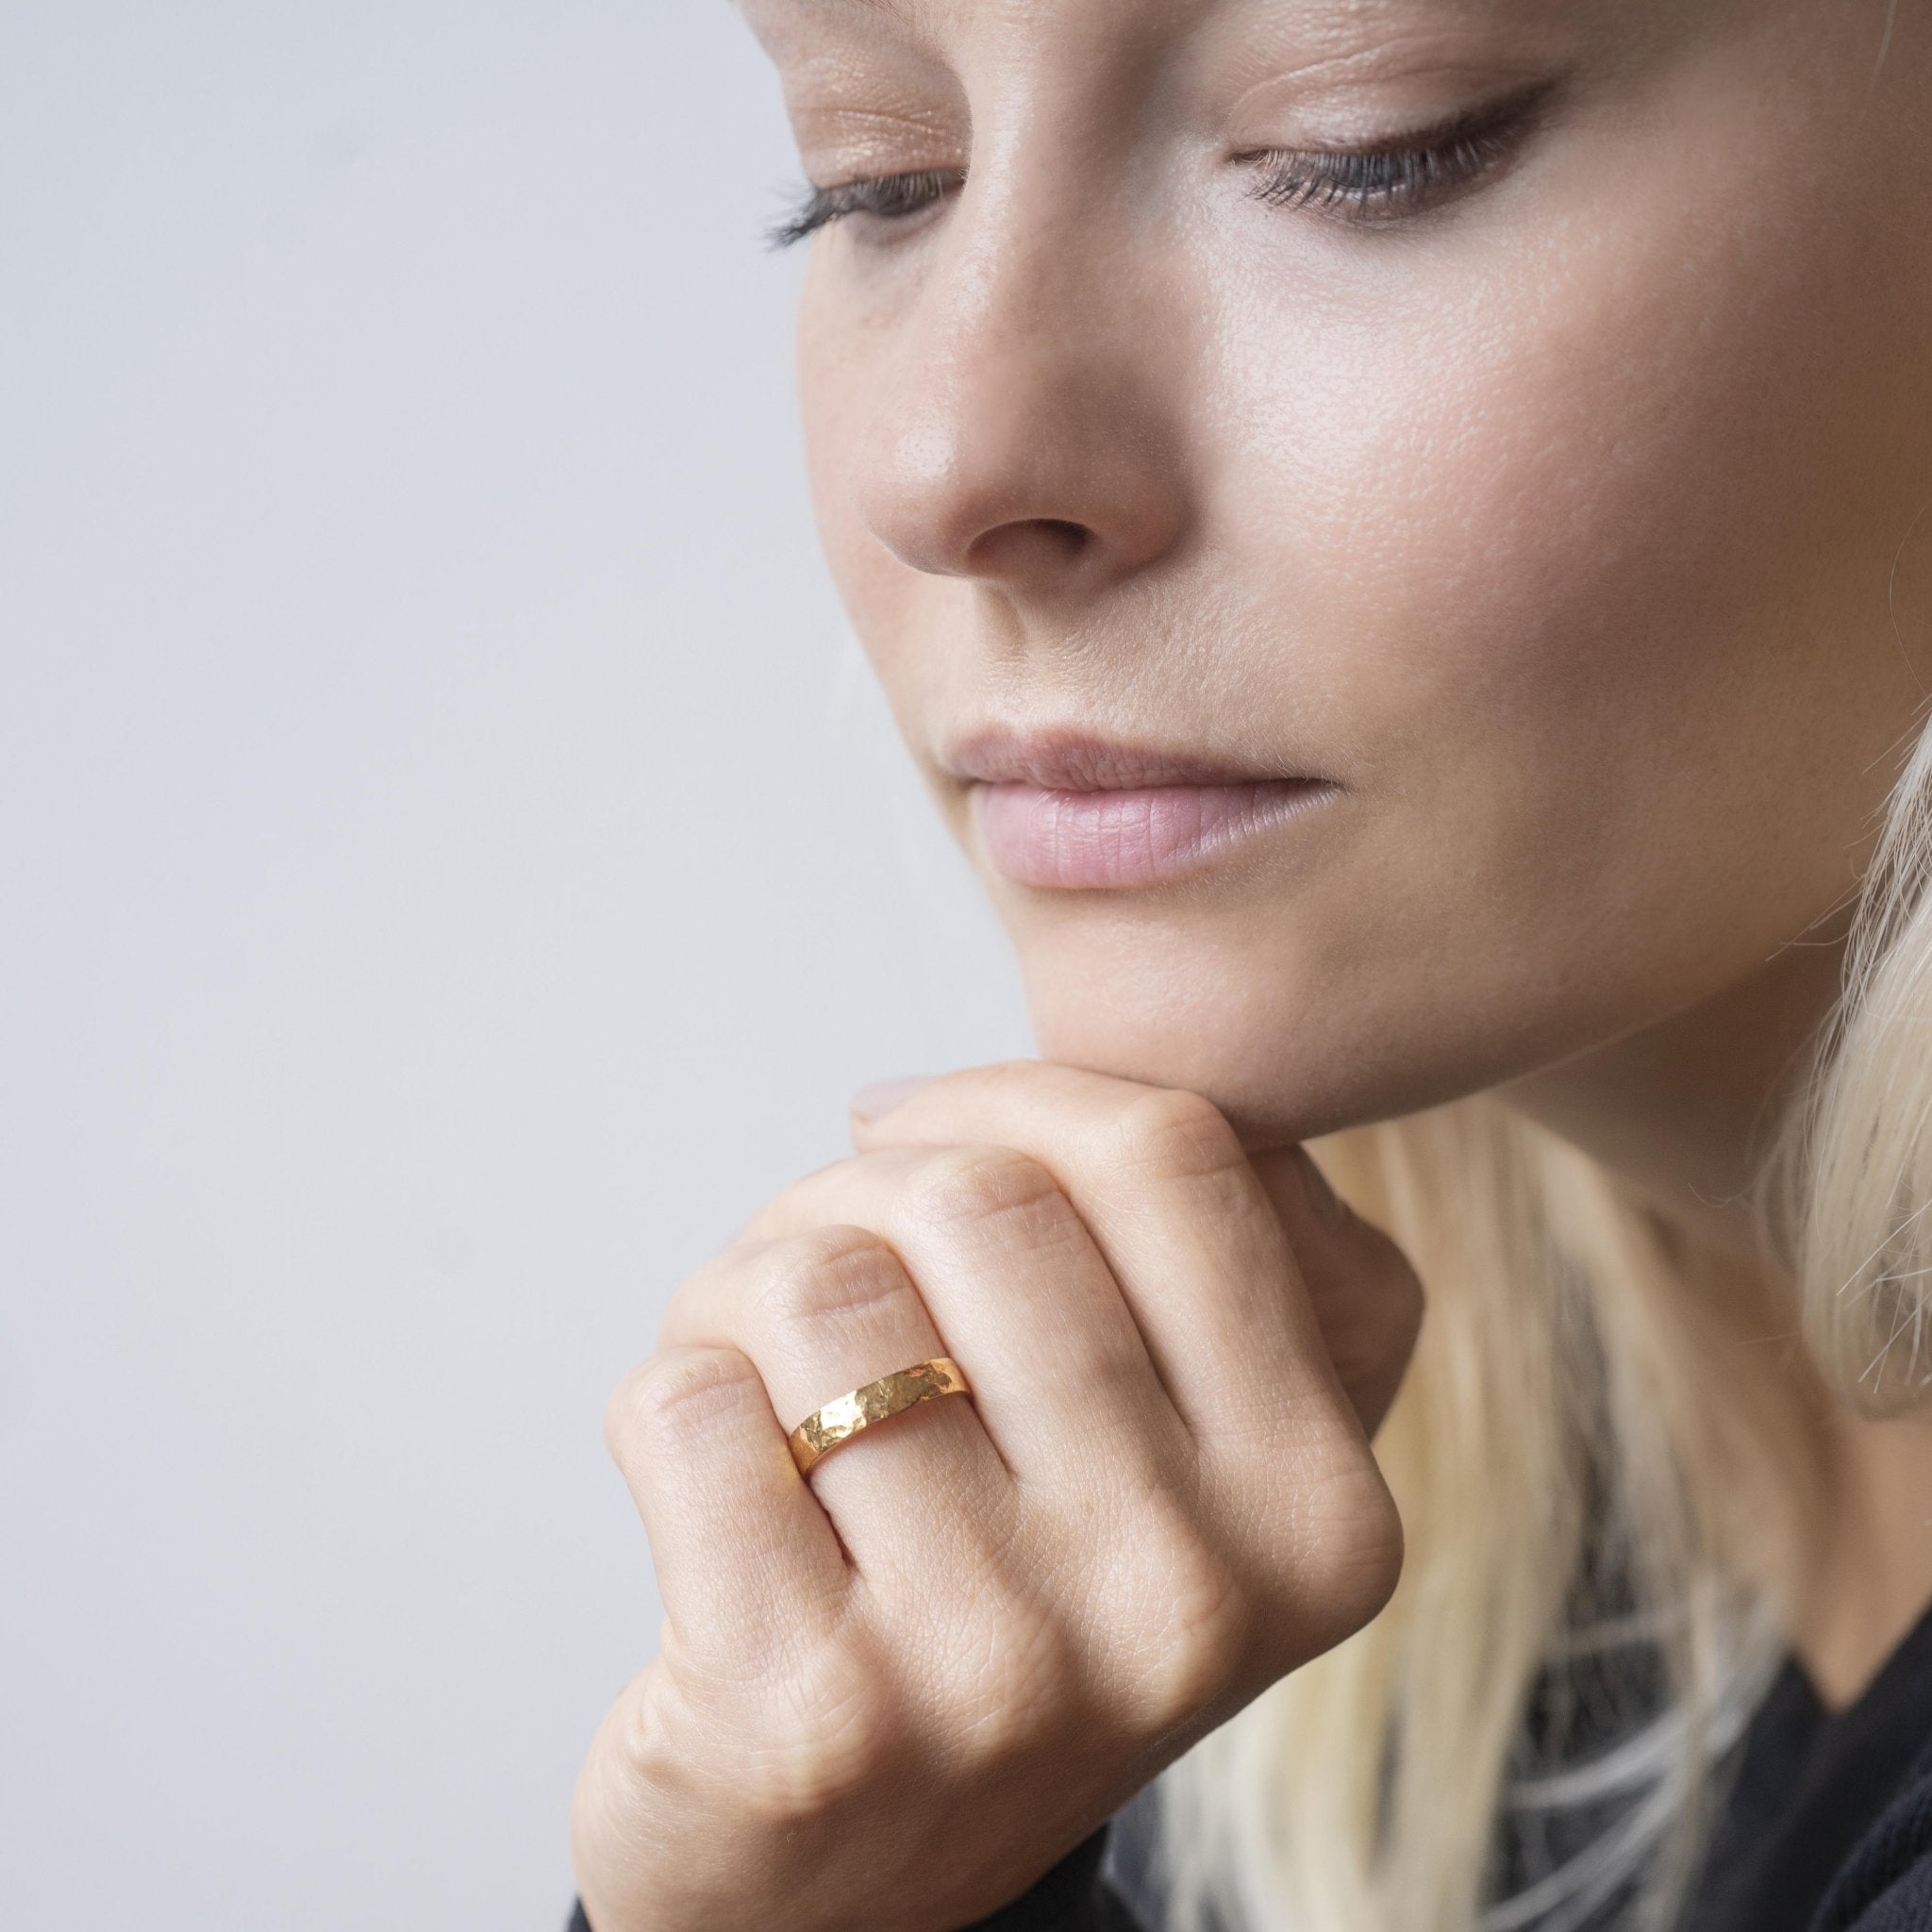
x=895, y=1691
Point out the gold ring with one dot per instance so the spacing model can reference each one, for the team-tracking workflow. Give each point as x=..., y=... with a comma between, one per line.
x=838, y=1422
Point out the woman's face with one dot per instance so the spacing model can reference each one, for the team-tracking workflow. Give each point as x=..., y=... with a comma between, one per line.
x=1544, y=487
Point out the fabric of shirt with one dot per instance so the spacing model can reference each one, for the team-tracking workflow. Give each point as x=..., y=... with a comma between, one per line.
x=1827, y=1826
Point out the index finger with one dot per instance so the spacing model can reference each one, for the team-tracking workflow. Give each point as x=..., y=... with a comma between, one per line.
x=1178, y=1212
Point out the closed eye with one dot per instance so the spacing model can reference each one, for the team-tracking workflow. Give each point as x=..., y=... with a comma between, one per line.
x=1400, y=176
x=891, y=197
x=1391, y=178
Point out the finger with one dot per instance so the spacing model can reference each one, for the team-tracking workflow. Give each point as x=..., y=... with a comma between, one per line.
x=1365, y=1293
x=821, y=1311
x=1180, y=1215
x=1024, y=1298
x=745, y=1560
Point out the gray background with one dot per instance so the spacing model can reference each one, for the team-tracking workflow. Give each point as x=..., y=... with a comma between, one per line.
x=453, y=865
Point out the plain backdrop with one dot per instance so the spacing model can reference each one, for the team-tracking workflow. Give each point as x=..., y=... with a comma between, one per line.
x=454, y=865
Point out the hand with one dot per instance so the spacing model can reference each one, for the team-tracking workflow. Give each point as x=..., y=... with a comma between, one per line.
x=893, y=1693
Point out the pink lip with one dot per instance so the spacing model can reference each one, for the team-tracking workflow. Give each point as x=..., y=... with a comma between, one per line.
x=1049, y=835
x=1063, y=808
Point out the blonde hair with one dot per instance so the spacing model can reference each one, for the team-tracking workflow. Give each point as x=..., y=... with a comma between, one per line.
x=1574, y=1492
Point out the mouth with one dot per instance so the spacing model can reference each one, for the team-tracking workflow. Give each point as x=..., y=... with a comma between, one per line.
x=1073, y=811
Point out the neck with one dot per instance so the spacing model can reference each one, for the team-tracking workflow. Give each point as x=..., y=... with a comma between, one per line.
x=1684, y=1112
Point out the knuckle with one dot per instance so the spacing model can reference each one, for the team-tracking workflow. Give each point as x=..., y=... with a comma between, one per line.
x=1367, y=1560
x=1196, y=1626
x=829, y=1273
x=960, y=1186
x=1011, y=1689
x=643, y=1725
x=670, y=1395
x=1177, y=1133
x=836, y=1735
x=1349, y=1560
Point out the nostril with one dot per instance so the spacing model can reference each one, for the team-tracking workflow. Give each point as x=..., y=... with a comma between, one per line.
x=1072, y=538
x=1030, y=546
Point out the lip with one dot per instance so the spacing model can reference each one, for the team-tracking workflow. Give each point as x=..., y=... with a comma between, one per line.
x=1071, y=810
x=1068, y=760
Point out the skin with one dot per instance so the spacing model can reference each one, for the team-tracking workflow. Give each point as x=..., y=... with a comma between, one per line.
x=1569, y=526
x=896, y=1692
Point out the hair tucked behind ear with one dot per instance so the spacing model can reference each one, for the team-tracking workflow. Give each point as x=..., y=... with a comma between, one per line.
x=1596, y=1490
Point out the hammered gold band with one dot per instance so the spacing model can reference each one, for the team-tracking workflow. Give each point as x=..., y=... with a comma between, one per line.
x=838, y=1422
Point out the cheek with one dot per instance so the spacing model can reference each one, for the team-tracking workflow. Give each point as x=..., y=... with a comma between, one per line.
x=1583, y=558
x=1578, y=567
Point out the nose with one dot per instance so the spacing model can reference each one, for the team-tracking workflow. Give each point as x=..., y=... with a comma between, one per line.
x=1024, y=433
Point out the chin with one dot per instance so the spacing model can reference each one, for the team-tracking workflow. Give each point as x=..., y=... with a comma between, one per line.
x=1283, y=1059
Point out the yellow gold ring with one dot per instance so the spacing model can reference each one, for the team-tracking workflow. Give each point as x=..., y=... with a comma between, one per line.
x=838, y=1422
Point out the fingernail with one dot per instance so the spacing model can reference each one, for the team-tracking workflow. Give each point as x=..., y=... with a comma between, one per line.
x=1322, y=1197
x=871, y=1103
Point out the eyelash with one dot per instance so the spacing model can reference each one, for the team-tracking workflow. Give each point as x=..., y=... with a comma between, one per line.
x=1384, y=183
x=891, y=196
x=1368, y=184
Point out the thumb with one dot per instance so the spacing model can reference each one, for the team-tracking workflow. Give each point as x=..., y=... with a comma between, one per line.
x=1365, y=1293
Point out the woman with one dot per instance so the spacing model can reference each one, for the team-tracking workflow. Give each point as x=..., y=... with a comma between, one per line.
x=1388, y=527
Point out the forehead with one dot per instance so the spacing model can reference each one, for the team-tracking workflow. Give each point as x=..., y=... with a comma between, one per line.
x=795, y=29
x=927, y=16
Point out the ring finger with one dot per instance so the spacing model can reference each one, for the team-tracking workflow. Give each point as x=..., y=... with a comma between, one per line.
x=822, y=1310
x=1062, y=1378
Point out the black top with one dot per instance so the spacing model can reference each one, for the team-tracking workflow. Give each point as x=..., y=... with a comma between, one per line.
x=1827, y=1826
